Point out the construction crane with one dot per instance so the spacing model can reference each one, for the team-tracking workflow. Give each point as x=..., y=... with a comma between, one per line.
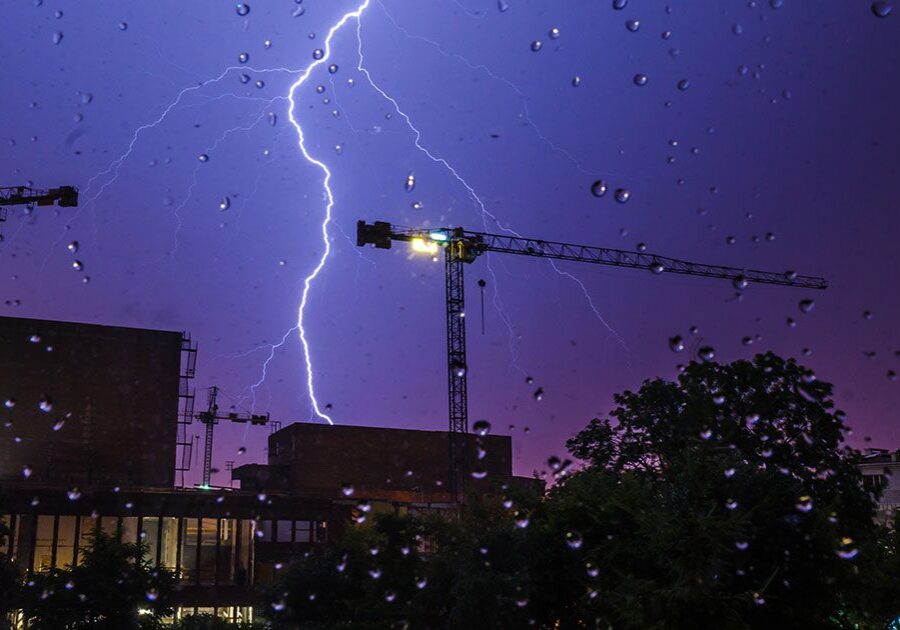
x=211, y=418
x=64, y=196
x=464, y=247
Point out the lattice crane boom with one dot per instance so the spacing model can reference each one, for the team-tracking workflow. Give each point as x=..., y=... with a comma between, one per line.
x=64, y=196
x=463, y=246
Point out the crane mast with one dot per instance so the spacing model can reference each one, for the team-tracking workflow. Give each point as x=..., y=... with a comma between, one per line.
x=464, y=247
x=211, y=418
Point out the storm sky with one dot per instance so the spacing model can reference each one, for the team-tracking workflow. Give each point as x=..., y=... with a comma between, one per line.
x=765, y=135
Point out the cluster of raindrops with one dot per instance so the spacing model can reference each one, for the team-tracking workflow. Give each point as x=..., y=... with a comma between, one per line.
x=600, y=187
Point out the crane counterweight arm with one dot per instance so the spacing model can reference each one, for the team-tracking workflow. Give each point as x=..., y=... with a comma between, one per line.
x=64, y=196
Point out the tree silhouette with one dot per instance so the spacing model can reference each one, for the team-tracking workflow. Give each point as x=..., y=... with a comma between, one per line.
x=723, y=499
x=113, y=587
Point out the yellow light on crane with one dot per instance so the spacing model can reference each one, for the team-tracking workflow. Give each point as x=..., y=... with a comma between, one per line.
x=422, y=246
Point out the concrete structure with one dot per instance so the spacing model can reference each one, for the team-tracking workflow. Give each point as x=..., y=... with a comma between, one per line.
x=94, y=417
x=391, y=465
x=881, y=469
x=80, y=400
x=221, y=544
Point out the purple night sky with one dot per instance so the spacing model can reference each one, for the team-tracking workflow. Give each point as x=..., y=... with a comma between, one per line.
x=788, y=127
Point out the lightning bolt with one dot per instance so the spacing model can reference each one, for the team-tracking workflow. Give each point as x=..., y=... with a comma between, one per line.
x=326, y=184
x=485, y=213
x=523, y=98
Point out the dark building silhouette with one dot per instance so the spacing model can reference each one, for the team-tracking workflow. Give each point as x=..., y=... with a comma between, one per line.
x=81, y=400
x=91, y=441
x=402, y=466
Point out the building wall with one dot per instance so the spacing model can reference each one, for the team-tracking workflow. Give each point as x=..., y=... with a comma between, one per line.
x=882, y=469
x=320, y=459
x=112, y=391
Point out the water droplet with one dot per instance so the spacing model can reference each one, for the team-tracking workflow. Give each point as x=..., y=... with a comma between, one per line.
x=536, y=45
x=591, y=569
x=737, y=29
x=390, y=596
x=804, y=504
x=598, y=188
x=298, y=11
x=35, y=339
x=242, y=450
x=45, y=405
x=278, y=606
x=9, y=403
x=742, y=546
x=260, y=84
x=740, y=283
x=333, y=68
x=244, y=57
x=776, y=4
x=421, y=583
x=521, y=520
x=273, y=118
x=640, y=80
x=633, y=25
x=123, y=26
x=242, y=8
x=657, y=268
x=539, y=393
x=347, y=490
x=203, y=157
x=267, y=44
x=72, y=247
x=729, y=473
x=622, y=195
x=882, y=8
x=576, y=81
x=225, y=203
x=57, y=37
x=73, y=494
x=481, y=427
x=375, y=573
x=731, y=504
x=152, y=594
x=26, y=471
x=806, y=305
x=318, y=53
x=479, y=473
x=410, y=182
x=683, y=85
x=618, y=5
x=554, y=33
x=574, y=540
x=707, y=353
x=676, y=344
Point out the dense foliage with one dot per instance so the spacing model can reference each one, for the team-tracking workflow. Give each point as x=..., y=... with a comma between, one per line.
x=113, y=587
x=724, y=499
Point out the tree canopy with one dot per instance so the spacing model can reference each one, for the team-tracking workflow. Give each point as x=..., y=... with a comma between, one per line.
x=725, y=498
x=112, y=587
